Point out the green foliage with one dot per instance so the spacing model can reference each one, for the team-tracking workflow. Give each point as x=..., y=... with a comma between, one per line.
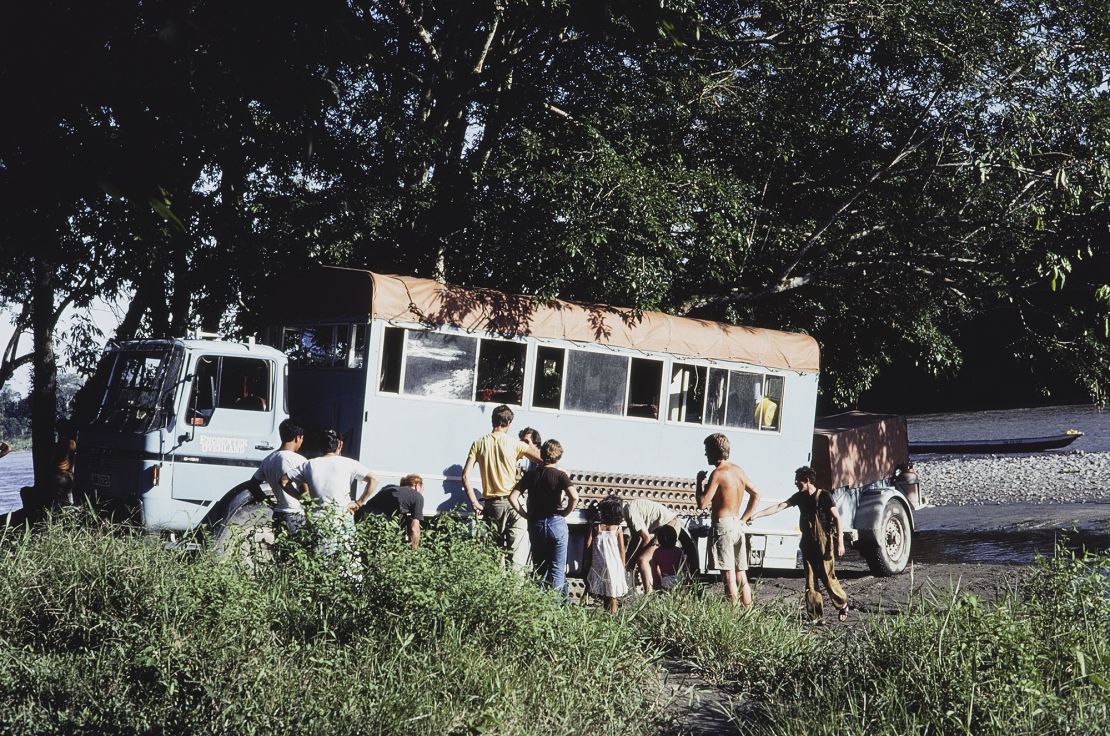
x=1038, y=661
x=882, y=176
x=107, y=632
x=15, y=417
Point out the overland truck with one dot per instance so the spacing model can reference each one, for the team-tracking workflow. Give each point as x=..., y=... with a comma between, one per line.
x=408, y=370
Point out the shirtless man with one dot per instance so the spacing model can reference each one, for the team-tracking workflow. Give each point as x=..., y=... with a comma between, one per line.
x=728, y=551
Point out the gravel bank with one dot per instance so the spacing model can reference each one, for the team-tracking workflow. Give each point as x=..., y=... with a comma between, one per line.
x=1050, y=477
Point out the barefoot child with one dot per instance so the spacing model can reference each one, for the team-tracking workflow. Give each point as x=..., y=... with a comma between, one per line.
x=667, y=559
x=605, y=554
x=818, y=517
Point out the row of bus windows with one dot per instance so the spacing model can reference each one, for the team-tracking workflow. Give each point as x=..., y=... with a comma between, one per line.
x=448, y=366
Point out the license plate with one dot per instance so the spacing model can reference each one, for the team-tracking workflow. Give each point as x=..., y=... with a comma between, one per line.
x=101, y=480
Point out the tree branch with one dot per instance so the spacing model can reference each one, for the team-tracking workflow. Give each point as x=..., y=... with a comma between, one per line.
x=420, y=30
x=486, y=47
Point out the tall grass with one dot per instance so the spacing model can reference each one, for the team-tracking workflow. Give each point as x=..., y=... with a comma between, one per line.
x=103, y=631
x=1036, y=662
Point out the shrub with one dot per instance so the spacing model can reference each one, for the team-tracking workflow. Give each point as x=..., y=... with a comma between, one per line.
x=104, y=631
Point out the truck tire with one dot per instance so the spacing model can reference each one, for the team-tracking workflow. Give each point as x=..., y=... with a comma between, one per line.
x=246, y=531
x=889, y=553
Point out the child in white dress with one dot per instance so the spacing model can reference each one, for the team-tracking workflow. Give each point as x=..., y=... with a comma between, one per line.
x=605, y=544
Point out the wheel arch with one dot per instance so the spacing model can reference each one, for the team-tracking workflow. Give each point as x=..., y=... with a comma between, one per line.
x=235, y=498
x=872, y=506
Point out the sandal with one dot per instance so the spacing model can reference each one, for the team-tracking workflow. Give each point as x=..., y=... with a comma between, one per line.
x=842, y=614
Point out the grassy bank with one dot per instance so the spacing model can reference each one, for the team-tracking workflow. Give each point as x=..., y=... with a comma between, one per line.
x=106, y=632
x=1037, y=662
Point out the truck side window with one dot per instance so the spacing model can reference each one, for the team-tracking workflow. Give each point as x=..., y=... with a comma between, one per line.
x=716, y=397
x=242, y=384
x=644, y=379
x=770, y=405
x=744, y=392
x=687, y=393
x=323, y=346
x=547, y=387
x=440, y=365
x=501, y=372
x=203, y=401
x=596, y=382
x=393, y=347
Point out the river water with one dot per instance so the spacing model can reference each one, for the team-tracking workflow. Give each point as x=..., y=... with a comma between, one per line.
x=16, y=471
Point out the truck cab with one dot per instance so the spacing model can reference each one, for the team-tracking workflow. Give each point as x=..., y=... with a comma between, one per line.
x=180, y=424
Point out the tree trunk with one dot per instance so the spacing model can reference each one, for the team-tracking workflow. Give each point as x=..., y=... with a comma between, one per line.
x=44, y=383
x=181, y=296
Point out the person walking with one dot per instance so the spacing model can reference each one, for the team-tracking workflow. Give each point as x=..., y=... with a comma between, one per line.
x=496, y=455
x=551, y=497
x=819, y=523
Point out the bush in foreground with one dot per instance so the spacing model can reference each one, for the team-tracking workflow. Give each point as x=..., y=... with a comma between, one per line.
x=107, y=632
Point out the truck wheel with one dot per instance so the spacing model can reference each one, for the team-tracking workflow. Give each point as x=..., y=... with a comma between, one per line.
x=890, y=552
x=246, y=532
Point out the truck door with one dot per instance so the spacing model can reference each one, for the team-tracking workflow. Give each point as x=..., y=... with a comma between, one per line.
x=230, y=425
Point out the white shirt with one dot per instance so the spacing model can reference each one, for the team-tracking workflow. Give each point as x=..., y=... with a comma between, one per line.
x=330, y=477
x=275, y=465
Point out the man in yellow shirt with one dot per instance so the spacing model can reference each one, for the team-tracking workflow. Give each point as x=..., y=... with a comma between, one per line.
x=496, y=455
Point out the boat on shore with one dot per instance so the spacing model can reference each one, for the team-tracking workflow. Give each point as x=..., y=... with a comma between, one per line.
x=1016, y=444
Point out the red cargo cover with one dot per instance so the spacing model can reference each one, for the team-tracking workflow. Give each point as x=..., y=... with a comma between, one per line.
x=856, y=448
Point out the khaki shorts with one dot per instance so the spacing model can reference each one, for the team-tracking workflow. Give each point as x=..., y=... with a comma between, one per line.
x=728, y=548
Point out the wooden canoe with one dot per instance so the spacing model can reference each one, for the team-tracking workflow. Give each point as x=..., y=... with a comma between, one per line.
x=1017, y=444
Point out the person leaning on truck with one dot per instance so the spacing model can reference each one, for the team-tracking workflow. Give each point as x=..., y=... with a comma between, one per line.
x=728, y=549
x=276, y=469
x=818, y=517
x=496, y=455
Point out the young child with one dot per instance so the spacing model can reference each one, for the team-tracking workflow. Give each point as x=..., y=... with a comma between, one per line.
x=605, y=557
x=666, y=561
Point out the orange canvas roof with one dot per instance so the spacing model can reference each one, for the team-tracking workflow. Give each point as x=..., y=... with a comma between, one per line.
x=411, y=299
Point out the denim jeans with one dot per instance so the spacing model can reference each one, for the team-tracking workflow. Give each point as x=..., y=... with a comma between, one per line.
x=549, y=537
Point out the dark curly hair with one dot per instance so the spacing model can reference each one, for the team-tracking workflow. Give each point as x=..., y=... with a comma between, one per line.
x=329, y=440
x=610, y=510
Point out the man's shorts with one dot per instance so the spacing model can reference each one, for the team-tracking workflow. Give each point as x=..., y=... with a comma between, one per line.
x=728, y=549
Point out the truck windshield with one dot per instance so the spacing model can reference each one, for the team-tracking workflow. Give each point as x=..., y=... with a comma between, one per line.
x=138, y=387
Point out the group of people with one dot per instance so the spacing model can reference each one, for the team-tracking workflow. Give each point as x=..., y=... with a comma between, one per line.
x=655, y=530
x=327, y=480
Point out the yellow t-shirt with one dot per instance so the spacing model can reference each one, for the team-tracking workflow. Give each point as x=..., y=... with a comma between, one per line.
x=496, y=455
x=765, y=412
